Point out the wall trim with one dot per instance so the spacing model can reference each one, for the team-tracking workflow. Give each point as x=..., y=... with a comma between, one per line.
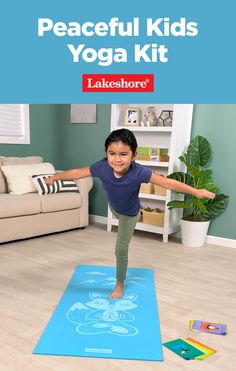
x=212, y=240
x=226, y=242
x=98, y=219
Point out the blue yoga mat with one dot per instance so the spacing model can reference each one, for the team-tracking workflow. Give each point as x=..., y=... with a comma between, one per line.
x=86, y=323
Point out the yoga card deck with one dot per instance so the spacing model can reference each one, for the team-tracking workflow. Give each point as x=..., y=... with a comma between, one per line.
x=88, y=324
x=204, y=348
x=183, y=349
x=210, y=327
x=189, y=349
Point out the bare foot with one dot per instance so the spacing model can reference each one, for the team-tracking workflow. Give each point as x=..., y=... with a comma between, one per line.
x=118, y=292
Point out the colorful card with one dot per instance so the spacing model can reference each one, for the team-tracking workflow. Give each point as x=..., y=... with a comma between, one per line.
x=183, y=349
x=204, y=348
x=210, y=327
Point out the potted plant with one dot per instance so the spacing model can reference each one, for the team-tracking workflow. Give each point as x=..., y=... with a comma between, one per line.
x=199, y=212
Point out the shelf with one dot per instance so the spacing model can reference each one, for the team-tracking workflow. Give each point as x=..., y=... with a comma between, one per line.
x=152, y=197
x=153, y=163
x=149, y=228
x=146, y=129
x=143, y=227
x=174, y=138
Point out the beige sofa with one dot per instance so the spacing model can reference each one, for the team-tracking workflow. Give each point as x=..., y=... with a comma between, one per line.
x=28, y=215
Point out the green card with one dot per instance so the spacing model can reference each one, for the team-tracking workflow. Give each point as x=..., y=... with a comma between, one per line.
x=183, y=349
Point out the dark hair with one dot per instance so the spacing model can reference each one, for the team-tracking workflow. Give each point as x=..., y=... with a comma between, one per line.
x=122, y=135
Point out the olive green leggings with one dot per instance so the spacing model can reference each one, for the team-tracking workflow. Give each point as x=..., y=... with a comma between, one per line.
x=125, y=232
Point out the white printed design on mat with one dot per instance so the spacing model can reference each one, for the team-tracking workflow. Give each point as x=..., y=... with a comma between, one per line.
x=102, y=315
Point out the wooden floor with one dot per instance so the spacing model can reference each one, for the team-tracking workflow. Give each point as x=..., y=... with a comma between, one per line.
x=191, y=283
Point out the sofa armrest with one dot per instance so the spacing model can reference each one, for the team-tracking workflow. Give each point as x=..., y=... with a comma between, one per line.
x=84, y=185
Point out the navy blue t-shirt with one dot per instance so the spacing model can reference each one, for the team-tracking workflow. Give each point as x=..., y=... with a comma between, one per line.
x=122, y=192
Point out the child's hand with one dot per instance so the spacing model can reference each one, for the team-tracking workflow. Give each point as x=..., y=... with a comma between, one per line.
x=203, y=193
x=49, y=181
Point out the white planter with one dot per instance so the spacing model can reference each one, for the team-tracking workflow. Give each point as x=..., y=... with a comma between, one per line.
x=194, y=233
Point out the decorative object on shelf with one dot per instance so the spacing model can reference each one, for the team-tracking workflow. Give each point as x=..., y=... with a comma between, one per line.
x=200, y=211
x=150, y=117
x=165, y=118
x=153, y=216
x=164, y=158
x=83, y=113
x=132, y=116
x=152, y=154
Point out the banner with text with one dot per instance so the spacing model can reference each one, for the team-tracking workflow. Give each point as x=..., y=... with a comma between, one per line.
x=100, y=52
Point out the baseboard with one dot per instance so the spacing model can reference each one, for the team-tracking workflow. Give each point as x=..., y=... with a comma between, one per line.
x=98, y=219
x=227, y=242
x=212, y=240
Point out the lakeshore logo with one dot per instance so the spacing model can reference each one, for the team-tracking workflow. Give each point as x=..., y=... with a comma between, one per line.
x=113, y=83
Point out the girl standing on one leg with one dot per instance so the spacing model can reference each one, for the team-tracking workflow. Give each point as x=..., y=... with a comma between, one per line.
x=121, y=177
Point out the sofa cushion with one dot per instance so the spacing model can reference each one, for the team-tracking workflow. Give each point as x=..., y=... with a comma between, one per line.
x=21, y=160
x=59, y=186
x=19, y=179
x=60, y=201
x=14, y=161
x=19, y=205
x=3, y=183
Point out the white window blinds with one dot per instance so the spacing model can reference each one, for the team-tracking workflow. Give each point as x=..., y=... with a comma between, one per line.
x=14, y=123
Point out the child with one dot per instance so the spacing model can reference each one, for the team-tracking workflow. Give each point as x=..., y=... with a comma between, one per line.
x=121, y=177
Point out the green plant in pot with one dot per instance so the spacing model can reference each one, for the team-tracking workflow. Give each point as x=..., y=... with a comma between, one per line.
x=198, y=212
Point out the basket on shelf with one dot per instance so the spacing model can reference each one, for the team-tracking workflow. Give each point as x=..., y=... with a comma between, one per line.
x=160, y=191
x=140, y=215
x=146, y=188
x=154, y=217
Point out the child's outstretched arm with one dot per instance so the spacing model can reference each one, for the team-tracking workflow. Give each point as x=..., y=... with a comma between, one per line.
x=69, y=175
x=177, y=186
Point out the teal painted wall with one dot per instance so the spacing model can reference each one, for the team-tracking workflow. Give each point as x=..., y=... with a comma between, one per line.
x=77, y=145
x=44, y=135
x=217, y=124
x=83, y=144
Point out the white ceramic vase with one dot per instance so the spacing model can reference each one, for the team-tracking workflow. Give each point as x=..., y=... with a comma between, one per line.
x=194, y=233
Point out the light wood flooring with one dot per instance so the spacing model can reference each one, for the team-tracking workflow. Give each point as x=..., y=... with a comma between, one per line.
x=191, y=283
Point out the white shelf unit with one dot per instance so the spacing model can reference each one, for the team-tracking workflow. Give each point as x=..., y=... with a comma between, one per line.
x=175, y=138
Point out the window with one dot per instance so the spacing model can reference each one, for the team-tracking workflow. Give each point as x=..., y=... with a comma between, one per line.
x=14, y=123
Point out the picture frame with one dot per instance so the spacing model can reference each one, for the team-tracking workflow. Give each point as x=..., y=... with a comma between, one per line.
x=132, y=116
x=83, y=114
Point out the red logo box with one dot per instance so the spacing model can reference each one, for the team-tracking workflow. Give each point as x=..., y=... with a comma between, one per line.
x=113, y=83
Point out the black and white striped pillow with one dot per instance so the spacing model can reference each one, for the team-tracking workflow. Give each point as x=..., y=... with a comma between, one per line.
x=59, y=186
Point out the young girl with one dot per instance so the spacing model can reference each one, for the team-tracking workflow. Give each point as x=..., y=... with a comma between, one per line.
x=121, y=177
